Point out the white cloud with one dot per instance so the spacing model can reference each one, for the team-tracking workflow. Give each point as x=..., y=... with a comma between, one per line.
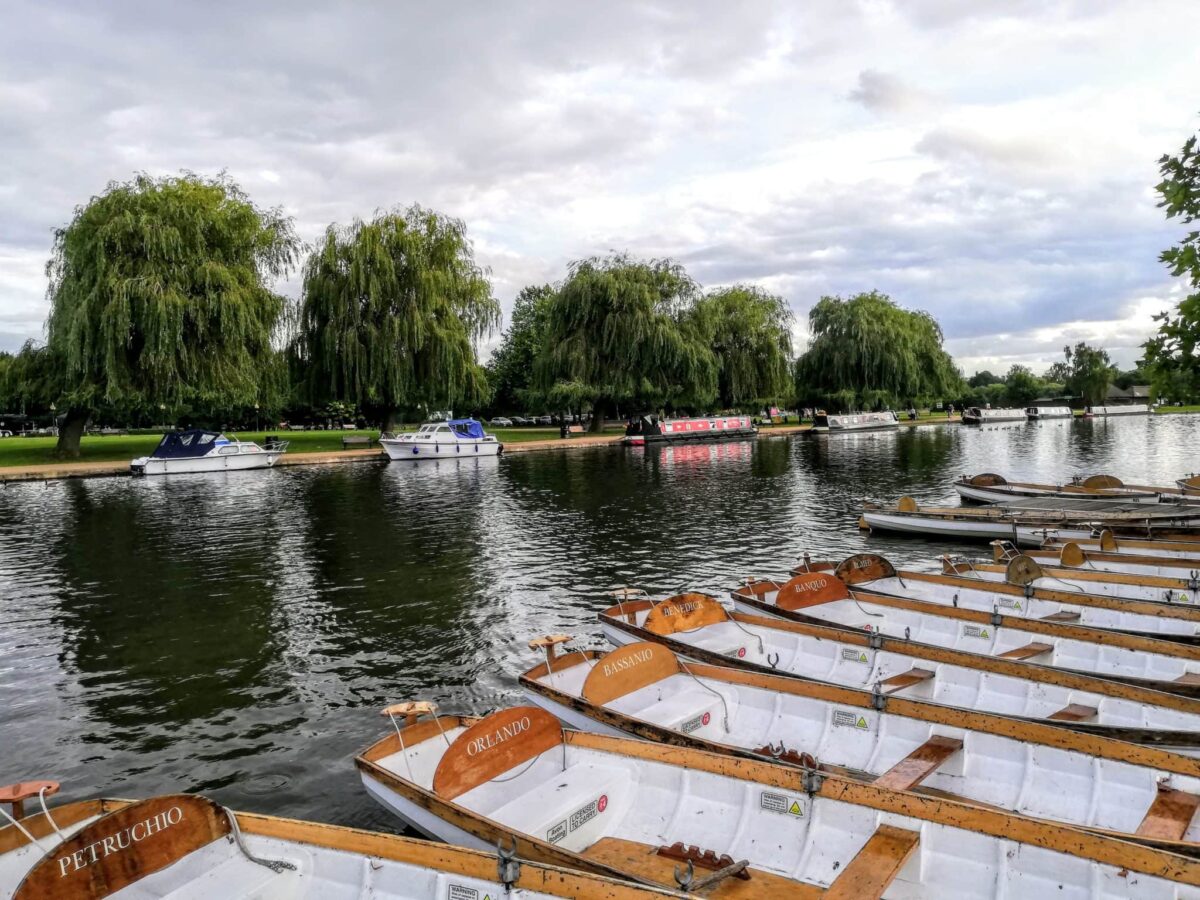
x=990, y=162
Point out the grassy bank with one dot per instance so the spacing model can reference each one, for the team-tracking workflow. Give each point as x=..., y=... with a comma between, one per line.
x=33, y=451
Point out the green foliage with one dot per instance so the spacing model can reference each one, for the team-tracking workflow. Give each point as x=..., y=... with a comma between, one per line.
x=391, y=312
x=869, y=344
x=1090, y=372
x=1171, y=355
x=510, y=370
x=620, y=331
x=159, y=295
x=983, y=379
x=749, y=332
x=1022, y=387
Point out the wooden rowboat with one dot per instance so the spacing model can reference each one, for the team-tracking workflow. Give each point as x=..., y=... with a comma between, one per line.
x=183, y=845
x=698, y=627
x=1018, y=596
x=645, y=690
x=1129, y=585
x=744, y=829
x=822, y=598
x=991, y=488
x=1071, y=555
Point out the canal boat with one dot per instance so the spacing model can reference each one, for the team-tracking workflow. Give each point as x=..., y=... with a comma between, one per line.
x=197, y=450
x=1038, y=413
x=1121, y=409
x=824, y=599
x=1183, y=588
x=1034, y=520
x=645, y=690
x=988, y=487
x=979, y=415
x=653, y=430
x=870, y=421
x=1018, y=595
x=455, y=439
x=1070, y=555
x=729, y=828
x=699, y=627
x=185, y=845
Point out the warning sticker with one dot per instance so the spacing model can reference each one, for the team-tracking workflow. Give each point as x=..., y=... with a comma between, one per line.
x=693, y=724
x=741, y=653
x=853, y=654
x=975, y=631
x=848, y=718
x=1010, y=603
x=780, y=803
x=462, y=892
x=557, y=832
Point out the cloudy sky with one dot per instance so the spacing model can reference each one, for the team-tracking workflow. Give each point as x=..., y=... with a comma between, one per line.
x=991, y=161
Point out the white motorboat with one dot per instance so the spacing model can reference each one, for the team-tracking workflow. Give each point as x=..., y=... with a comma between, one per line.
x=183, y=845
x=645, y=690
x=979, y=415
x=456, y=439
x=1037, y=413
x=698, y=627
x=1125, y=409
x=869, y=421
x=197, y=450
x=744, y=828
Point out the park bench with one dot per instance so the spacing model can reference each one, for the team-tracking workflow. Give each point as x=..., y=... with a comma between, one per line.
x=356, y=440
x=574, y=429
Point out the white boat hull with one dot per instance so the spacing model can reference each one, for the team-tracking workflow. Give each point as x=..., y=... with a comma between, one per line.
x=1133, y=409
x=1002, y=495
x=414, y=451
x=235, y=462
x=958, y=528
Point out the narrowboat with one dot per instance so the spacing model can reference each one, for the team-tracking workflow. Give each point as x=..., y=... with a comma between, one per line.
x=1038, y=413
x=867, y=421
x=197, y=450
x=727, y=828
x=1124, y=409
x=455, y=439
x=979, y=415
x=650, y=429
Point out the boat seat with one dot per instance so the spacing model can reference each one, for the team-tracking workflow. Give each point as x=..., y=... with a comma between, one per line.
x=1169, y=816
x=1062, y=616
x=1188, y=678
x=905, y=680
x=538, y=810
x=876, y=865
x=919, y=764
x=1074, y=712
x=681, y=706
x=1027, y=652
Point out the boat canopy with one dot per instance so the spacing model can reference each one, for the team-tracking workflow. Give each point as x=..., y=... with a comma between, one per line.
x=467, y=428
x=184, y=444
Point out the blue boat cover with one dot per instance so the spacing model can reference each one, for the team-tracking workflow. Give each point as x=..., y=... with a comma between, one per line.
x=184, y=444
x=467, y=428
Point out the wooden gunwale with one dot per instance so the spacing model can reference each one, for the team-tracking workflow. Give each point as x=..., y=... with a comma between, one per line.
x=1089, y=544
x=1122, y=639
x=1056, y=837
x=1051, y=558
x=65, y=815
x=1025, y=670
x=1071, y=573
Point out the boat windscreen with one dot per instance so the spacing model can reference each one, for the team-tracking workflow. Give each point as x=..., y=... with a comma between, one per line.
x=467, y=428
x=185, y=444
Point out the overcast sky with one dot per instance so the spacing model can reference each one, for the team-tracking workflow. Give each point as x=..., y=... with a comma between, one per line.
x=990, y=161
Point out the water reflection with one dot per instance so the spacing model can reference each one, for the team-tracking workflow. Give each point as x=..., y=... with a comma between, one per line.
x=236, y=633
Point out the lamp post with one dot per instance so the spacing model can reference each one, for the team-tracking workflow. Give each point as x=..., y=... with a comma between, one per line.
x=256, y=417
x=53, y=419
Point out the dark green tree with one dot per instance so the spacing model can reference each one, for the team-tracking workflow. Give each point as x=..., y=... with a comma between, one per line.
x=871, y=347
x=391, y=312
x=619, y=331
x=983, y=379
x=510, y=370
x=749, y=331
x=160, y=294
x=1021, y=386
x=1090, y=372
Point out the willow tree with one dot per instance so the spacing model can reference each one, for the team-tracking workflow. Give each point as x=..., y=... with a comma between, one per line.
x=749, y=331
x=391, y=312
x=160, y=294
x=619, y=330
x=867, y=350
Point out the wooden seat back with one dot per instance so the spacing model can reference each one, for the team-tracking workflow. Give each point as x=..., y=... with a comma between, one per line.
x=1071, y=556
x=493, y=746
x=987, y=479
x=1102, y=482
x=628, y=669
x=864, y=567
x=812, y=589
x=684, y=612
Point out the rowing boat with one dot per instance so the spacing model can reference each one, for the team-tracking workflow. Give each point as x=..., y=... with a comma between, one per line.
x=1071, y=556
x=991, y=488
x=698, y=627
x=1033, y=520
x=824, y=599
x=645, y=690
x=184, y=845
x=743, y=828
x=1018, y=596
x=1177, y=588
x=1104, y=541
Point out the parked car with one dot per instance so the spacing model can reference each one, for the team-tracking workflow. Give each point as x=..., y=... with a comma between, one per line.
x=4, y=433
x=520, y=420
x=545, y=420
x=501, y=422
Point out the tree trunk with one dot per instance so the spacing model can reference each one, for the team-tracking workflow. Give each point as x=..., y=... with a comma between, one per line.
x=71, y=431
x=597, y=425
x=391, y=420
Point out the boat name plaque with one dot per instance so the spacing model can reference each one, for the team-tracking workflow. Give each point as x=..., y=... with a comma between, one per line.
x=499, y=736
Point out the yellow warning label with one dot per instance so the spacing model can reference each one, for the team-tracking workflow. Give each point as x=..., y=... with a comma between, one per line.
x=794, y=809
x=861, y=723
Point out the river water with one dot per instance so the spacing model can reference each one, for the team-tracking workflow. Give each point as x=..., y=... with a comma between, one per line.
x=237, y=634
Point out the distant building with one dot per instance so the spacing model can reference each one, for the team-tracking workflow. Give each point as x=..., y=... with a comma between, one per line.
x=1138, y=393
x=1063, y=400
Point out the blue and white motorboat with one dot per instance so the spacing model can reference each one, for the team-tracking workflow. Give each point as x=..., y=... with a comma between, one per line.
x=197, y=450
x=455, y=439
